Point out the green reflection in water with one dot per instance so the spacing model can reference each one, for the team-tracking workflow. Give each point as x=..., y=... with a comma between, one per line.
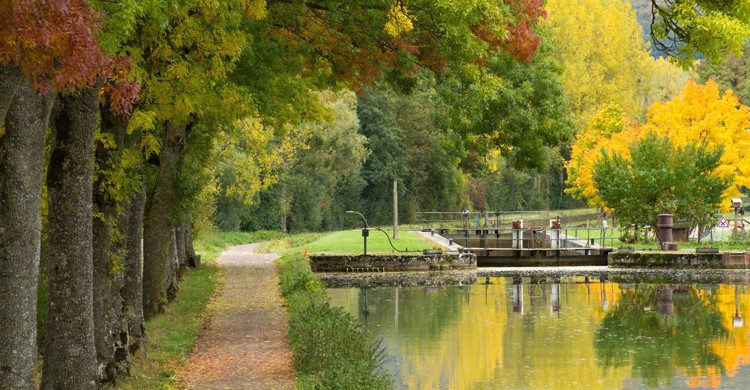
x=660, y=329
x=559, y=335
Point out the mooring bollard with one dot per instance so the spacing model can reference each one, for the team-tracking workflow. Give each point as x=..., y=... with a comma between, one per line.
x=664, y=224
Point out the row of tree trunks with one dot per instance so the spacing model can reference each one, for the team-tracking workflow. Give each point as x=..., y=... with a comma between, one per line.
x=69, y=347
x=96, y=245
x=90, y=270
x=21, y=177
x=159, y=241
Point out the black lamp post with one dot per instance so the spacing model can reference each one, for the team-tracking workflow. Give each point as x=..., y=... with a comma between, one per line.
x=365, y=230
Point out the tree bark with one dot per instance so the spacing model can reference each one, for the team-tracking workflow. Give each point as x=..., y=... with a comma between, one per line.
x=181, y=250
x=69, y=347
x=10, y=81
x=193, y=259
x=158, y=243
x=172, y=271
x=21, y=175
x=110, y=326
x=133, y=291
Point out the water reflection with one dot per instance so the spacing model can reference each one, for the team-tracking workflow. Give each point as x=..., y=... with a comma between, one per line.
x=553, y=333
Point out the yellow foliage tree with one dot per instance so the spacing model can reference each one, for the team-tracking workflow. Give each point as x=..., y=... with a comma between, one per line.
x=700, y=113
x=607, y=130
x=257, y=156
x=605, y=59
x=603, y=54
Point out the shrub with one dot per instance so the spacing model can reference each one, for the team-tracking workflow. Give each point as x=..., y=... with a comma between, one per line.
x=331, y=349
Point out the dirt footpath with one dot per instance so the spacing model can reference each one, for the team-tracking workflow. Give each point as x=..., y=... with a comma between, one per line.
x=245, y=345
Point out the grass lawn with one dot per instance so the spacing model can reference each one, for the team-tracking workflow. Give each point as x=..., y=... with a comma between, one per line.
x=350, y=241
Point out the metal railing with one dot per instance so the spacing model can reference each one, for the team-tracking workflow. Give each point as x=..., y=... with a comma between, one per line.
x=478, y=219
x=533, y=238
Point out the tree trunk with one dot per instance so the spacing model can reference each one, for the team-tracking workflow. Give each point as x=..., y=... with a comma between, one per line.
x=10, y=81
x=21, y=175
x=173, y=268
x=133, y=290
x=69, y=347
x=181, y=249
x=193, y=259
x=161, y=204
x=110, y=327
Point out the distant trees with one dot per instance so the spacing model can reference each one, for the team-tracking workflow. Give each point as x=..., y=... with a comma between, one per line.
x=730, y=73
x=603, y=55
x=605, y=59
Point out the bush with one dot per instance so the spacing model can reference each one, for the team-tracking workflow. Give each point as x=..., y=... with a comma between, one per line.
x=331, y=350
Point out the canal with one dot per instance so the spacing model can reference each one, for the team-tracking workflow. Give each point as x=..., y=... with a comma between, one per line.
x=569, y=332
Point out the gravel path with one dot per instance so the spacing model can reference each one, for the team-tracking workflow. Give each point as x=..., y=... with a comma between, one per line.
x=245, y=345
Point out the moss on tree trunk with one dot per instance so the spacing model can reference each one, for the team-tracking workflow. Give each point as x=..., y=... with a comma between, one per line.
x=21, y=175
x=159, y=272
x=110, y=324
x=69, y=347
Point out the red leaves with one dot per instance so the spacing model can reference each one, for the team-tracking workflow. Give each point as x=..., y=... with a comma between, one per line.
x=521, y=41
x=122, y=92
x=54, y=42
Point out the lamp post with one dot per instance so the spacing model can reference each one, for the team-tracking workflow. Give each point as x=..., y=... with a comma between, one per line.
x=365, y=230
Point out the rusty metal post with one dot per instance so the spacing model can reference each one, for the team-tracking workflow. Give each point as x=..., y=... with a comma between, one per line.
x=664, y=224
x=517, y=235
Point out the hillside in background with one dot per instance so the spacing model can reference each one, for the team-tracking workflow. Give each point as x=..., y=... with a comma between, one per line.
x=643, y=15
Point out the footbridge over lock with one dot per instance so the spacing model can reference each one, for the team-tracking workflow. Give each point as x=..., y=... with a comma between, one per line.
x=538, y=242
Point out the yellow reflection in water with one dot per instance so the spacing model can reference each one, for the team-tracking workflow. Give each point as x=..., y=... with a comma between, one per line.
x=506, y=335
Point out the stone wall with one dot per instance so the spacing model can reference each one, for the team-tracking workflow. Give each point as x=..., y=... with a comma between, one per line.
x=399, y=279
x=679, y=260
x=395, y=262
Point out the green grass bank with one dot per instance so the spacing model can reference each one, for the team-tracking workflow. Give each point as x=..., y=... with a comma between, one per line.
x=331, y=349
x=172, y=335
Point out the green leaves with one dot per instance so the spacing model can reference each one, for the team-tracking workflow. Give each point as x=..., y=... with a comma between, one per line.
x=660, y=177
x=712, y=28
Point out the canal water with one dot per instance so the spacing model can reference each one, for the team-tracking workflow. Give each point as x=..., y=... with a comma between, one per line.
x=572, y=333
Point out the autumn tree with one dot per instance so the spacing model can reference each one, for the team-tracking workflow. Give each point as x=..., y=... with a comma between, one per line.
x=659, y=177
x=603, y=55
x=702, y=114
x=699, y=114
x=48, y=48
x=609, y=130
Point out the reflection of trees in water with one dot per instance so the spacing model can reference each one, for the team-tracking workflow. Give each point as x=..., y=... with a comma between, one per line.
x=424, y=313
x=660, y=329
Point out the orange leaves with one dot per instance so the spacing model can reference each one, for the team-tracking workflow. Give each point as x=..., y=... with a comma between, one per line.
x=700, y=113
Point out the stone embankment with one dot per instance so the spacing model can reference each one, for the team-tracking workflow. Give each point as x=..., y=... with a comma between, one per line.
x=687, y=259
x=393, y=262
